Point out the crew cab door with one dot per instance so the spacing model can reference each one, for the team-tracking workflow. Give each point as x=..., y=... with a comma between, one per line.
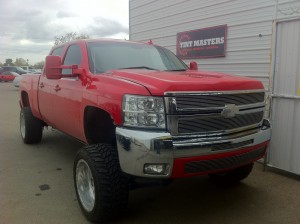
x=46, y=94
x=68, y=99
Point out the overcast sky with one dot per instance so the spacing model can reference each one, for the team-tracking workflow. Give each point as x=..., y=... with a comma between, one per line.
x=28, y=27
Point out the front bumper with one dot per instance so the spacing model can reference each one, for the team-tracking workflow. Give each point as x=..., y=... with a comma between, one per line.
x=189, y=155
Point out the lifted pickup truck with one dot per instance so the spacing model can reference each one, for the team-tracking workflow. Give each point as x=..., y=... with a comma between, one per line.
x=143, y=114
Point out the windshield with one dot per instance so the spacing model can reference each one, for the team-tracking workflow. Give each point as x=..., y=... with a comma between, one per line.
x=106, y=56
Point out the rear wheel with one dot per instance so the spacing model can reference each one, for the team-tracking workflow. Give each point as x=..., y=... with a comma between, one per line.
x=101, y=187
x=31, y=128
x=232, y=176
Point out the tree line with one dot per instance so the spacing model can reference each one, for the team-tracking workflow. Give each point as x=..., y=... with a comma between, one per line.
x=39, y=65
x=22, y=62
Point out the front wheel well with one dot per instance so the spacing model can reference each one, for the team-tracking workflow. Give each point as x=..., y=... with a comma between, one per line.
x=25, y=99
x=98, y=126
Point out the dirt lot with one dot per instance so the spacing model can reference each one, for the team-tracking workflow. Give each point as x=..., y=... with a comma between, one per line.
x=36, y=186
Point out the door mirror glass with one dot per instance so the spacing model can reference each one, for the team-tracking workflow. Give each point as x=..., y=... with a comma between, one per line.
x=53, y=67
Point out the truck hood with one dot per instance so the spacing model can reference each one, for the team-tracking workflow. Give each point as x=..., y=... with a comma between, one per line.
x=159, y=82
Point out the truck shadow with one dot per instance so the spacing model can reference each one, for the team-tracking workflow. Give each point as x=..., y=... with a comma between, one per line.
x=194, y=200
x=60, y=142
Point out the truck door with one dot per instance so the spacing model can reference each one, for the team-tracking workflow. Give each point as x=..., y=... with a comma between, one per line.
x=46, y=94
x=67, y=103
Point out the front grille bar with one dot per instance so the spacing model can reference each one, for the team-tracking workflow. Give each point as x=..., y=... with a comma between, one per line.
x=223, y=163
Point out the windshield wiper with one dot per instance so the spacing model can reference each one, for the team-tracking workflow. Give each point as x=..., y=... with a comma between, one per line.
x=176, y=70
x=140, y=67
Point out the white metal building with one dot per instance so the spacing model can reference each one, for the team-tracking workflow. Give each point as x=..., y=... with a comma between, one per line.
x=262, y=41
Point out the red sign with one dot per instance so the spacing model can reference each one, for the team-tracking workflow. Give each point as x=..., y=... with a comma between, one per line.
x=208, y=42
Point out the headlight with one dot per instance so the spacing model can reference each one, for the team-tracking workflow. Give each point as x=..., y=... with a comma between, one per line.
x=143, y=111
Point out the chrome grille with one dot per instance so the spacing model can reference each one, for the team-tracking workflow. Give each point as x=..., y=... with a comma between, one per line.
x=212, y=124
x=218, y=100
x=208, y=113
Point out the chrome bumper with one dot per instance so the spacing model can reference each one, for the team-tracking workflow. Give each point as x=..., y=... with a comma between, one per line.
x=137, y=148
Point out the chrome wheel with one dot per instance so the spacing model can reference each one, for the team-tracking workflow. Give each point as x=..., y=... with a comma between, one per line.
x=22, y=125
x=85, y=185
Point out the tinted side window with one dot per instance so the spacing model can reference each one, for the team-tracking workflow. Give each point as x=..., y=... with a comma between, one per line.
x=73, y=57
x=57, y=51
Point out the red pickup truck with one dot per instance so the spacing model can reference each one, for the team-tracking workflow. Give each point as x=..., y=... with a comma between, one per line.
x=143, y=114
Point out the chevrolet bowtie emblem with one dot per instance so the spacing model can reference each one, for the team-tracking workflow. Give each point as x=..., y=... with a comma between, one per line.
x=229, y=110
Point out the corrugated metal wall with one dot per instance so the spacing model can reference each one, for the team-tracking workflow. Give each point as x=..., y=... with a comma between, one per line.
x=249, y=38
x=249, y=30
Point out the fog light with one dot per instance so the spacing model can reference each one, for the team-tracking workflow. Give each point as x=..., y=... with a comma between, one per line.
x=156, y=169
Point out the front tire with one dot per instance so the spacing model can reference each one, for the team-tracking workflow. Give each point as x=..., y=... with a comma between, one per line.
x=101, y=187
x=31, y=128
x=233, y=176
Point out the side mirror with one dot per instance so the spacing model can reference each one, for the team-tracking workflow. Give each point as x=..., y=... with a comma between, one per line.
x=193, y=66
x=53, y=67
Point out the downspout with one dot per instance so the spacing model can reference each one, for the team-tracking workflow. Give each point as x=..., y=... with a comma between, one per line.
x=271, y=72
